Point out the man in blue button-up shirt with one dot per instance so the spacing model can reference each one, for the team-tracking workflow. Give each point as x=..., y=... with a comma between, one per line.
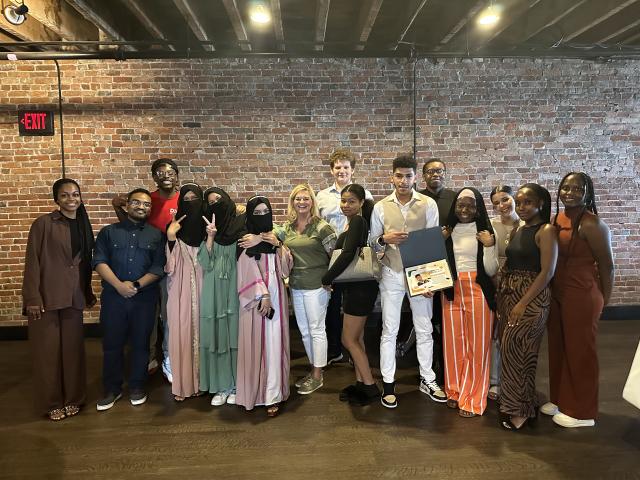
x=129, y=256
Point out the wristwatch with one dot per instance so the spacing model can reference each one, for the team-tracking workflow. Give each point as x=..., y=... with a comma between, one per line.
x=381, y=241
x=137, y=285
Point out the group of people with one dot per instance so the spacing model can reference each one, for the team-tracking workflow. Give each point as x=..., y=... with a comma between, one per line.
x=214, y=274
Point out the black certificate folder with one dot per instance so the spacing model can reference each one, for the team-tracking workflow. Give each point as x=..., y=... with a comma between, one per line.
x=424, y=258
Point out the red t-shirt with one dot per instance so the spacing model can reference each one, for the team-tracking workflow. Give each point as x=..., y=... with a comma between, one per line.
x=162, y=209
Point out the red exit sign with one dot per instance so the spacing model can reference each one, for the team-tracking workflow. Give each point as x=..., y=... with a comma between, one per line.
x=35, y=122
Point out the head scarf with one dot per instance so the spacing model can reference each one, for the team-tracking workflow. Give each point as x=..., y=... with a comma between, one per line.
x=230, y=226
x=192, y=231
x=258, y=224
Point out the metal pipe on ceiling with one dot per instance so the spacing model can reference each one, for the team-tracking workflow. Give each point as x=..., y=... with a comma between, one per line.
x=202, y=54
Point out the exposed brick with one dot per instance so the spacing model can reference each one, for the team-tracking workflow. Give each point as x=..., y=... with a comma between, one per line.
x=265, y=125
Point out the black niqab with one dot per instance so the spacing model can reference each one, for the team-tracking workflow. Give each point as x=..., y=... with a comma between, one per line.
x=258, y=224
x=192, y=231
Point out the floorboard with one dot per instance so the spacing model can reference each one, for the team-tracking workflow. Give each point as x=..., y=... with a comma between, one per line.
x=315, y=436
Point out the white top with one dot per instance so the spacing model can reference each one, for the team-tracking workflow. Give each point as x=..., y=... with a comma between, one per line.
x=465, y=250
x=377, y=217
x=329, y=206
x=502, y=233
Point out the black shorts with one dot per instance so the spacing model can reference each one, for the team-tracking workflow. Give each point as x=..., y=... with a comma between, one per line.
x=359, y=298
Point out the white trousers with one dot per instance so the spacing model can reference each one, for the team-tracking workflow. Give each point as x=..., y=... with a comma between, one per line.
x=310, y=308
x=392, y=292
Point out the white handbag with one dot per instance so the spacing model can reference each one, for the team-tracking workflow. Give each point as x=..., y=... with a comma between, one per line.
x=364, y=266
x=631, y=392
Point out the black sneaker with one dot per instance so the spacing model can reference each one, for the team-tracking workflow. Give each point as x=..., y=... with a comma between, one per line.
x=389, y=398
x=433, y=390
x=107, y=402
x=335, y=358
x=137, y=397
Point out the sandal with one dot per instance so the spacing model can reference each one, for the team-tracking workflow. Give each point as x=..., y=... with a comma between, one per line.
x=494, y=393
x=71, y=410
x=508, y=424
x=178, y=398
x=57, y=414
x=451, y=403
x=465, y=414
x=273, y=410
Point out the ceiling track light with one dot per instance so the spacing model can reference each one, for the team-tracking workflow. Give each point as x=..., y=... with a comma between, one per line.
x=15, y=14
x=259, y=13
x=490, y=16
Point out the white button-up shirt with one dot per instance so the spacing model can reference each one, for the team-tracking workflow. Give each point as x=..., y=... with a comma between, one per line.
x=329, y=206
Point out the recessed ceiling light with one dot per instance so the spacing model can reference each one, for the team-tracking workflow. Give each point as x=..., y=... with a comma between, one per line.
x=258, y=13
x=489, y=17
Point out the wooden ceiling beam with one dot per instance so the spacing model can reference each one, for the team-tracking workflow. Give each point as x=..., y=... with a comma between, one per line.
x=411, y=17
x=102, y=18
x=62, y=19
x=550, y=17
x=619, y=32
x=278, y=30
x=194, y=23
x=461, y=24
x=631, y=39
x=144, y=19
x=231, y=6
x=322, y=16
x=367, y=19
x=29, y=31
x=602, y=9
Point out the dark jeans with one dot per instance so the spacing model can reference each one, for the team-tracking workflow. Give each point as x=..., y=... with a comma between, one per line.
x=438, y=354
x=126, y=319
x=333, y=322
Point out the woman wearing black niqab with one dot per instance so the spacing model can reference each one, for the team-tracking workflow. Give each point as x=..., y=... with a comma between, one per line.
x=219, y=301
x=185, y=235
x=263, y=339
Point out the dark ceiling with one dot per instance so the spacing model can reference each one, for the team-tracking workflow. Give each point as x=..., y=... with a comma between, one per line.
x=334, y=28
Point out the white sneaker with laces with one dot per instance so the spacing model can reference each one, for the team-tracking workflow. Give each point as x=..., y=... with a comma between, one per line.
x=433, y=391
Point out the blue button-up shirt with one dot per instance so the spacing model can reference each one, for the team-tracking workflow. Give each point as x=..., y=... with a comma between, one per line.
x=131, y=250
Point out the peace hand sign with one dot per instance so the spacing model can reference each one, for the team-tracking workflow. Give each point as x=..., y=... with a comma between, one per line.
x=174, y=227
x=211, y=225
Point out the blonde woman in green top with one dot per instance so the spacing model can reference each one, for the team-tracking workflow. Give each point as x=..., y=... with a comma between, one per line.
x=311, y=241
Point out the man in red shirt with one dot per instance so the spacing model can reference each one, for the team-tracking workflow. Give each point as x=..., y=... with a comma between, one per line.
x=164, y=204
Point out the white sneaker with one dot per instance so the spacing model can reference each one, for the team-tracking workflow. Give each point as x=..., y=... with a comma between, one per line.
x=570, y=422
x=231, y=399
x=550, y=409
x=219, y=399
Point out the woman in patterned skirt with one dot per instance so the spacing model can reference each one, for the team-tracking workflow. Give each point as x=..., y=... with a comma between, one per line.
x=523, y=303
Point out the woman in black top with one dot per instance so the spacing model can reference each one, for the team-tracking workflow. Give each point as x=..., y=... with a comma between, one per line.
x=524, y=298
x=358, y=297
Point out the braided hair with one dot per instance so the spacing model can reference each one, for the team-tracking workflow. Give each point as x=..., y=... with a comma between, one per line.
x=589, y=196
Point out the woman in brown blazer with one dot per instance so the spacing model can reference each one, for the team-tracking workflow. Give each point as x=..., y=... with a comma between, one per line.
x=55, y=290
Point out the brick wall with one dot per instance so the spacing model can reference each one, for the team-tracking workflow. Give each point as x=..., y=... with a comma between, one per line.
x=265, y=125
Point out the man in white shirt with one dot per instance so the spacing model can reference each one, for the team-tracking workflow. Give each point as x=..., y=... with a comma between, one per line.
x=404, y=211
x=342, y=162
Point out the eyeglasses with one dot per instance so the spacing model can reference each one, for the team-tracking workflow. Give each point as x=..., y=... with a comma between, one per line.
x=435, y=171
x=138, y=203
x=165, y=173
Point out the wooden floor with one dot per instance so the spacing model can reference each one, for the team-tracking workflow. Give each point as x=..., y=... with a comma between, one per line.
x=316, y=436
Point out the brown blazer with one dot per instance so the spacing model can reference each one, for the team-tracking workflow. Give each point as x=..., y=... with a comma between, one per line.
x=52, y=278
